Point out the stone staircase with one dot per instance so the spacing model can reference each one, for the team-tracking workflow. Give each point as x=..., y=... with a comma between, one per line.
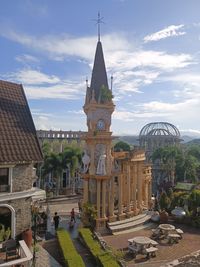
x=130, y=223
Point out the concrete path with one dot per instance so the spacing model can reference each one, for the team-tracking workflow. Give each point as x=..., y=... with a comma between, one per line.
x=44, y=259
x=63, y=207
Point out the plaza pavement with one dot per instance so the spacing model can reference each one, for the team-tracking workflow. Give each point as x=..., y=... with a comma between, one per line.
x=166, y=252
x=44, y=259
x=63, y=207
x=48, y=251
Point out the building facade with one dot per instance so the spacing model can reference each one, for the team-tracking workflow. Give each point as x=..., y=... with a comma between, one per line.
x=19, y=152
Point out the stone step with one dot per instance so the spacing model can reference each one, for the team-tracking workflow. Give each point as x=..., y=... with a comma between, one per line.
x=130, y=224
x=149, y=225
x=134, y=218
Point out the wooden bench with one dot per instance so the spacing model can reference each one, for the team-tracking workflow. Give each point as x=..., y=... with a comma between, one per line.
x=173, y=238
x=151, y=252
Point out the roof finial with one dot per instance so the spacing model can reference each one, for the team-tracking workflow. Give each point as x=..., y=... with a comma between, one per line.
x=111, y=79
x=99, y=20
x=86, y=81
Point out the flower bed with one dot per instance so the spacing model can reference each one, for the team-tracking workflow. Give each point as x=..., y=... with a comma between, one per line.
x=71, y=257
x=102, y=257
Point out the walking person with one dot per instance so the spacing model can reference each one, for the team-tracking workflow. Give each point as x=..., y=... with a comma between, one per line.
x=73, y=215
x=56, y=219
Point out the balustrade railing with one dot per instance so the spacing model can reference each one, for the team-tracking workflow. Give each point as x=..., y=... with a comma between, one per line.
x=25, y=257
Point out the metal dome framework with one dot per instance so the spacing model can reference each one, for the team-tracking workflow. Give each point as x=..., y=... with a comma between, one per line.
x=153, y=136
x=158, y=134
x=159, y=129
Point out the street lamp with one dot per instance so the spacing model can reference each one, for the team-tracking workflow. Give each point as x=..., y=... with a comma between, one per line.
x=35, y=213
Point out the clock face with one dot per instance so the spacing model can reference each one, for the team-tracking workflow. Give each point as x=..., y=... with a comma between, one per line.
x=100, y=125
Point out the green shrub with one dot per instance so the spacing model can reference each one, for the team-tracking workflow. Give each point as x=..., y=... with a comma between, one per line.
x=71, y=257
x=102, y=257
x=195, y=222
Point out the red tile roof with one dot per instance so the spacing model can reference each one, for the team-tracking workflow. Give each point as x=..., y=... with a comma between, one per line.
x=18, y=139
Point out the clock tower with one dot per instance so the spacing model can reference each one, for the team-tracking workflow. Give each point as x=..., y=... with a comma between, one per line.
x=97, y=160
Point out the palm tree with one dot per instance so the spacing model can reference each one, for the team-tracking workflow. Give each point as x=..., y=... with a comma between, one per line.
x=71, y=159
x=165, y=159
x=53, y=166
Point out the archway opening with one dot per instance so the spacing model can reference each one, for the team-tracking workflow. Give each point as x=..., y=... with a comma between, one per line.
x=5, y=223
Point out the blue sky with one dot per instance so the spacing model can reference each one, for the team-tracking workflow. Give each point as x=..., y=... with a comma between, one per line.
x=152, y=49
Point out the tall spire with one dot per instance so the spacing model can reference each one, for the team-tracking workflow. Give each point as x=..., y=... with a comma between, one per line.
x=99, y=75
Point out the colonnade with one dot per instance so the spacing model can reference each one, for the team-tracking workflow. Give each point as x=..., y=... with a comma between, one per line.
x=133, y=191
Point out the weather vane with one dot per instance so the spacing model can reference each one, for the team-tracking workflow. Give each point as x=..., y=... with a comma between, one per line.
x=99, y=21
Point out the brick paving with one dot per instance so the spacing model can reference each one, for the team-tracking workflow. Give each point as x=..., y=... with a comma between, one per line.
x=166, y=252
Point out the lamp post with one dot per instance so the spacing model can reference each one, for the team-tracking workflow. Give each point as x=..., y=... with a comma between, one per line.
x=35, y=211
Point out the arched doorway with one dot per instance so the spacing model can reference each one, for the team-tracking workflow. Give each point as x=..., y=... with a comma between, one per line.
x=7, y=218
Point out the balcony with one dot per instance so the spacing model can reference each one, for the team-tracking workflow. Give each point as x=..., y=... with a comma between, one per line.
x=22, y=258
x=4, y=188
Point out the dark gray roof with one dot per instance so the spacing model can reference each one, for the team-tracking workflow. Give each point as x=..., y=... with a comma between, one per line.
x=99, y=75
x=18, y=139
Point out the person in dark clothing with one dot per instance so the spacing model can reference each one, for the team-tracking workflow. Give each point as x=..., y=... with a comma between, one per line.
x=73, y=215
x=56, y=219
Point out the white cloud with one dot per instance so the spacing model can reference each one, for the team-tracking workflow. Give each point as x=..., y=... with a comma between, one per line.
x=39, y=85
x=160, y=107
x=26, y=59
x=29, y=76
x=119, y=51
x=63, y=90
x=125, y=115
x=187, y=84
x=172, y=30
x=190, y=131
x=131, y=66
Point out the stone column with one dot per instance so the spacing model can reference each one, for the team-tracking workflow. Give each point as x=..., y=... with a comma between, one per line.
x=134, y=186
x=139, y=183
x=98, y=199
x=146, y=193
x=103, y=199
x=85, y=192
x=111, y=202
x=150, y=191
x=120, y=204
x=128, y=186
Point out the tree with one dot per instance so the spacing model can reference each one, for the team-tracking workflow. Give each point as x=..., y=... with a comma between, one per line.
x=121, y=146
x=89, y=215
x=46, y=148
x=55, y=163
x=53, y=166
x=71, y=159
x=194, y=200
x=164, y=201
x=165, y=159
x=178, y=163
x=105, y=94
